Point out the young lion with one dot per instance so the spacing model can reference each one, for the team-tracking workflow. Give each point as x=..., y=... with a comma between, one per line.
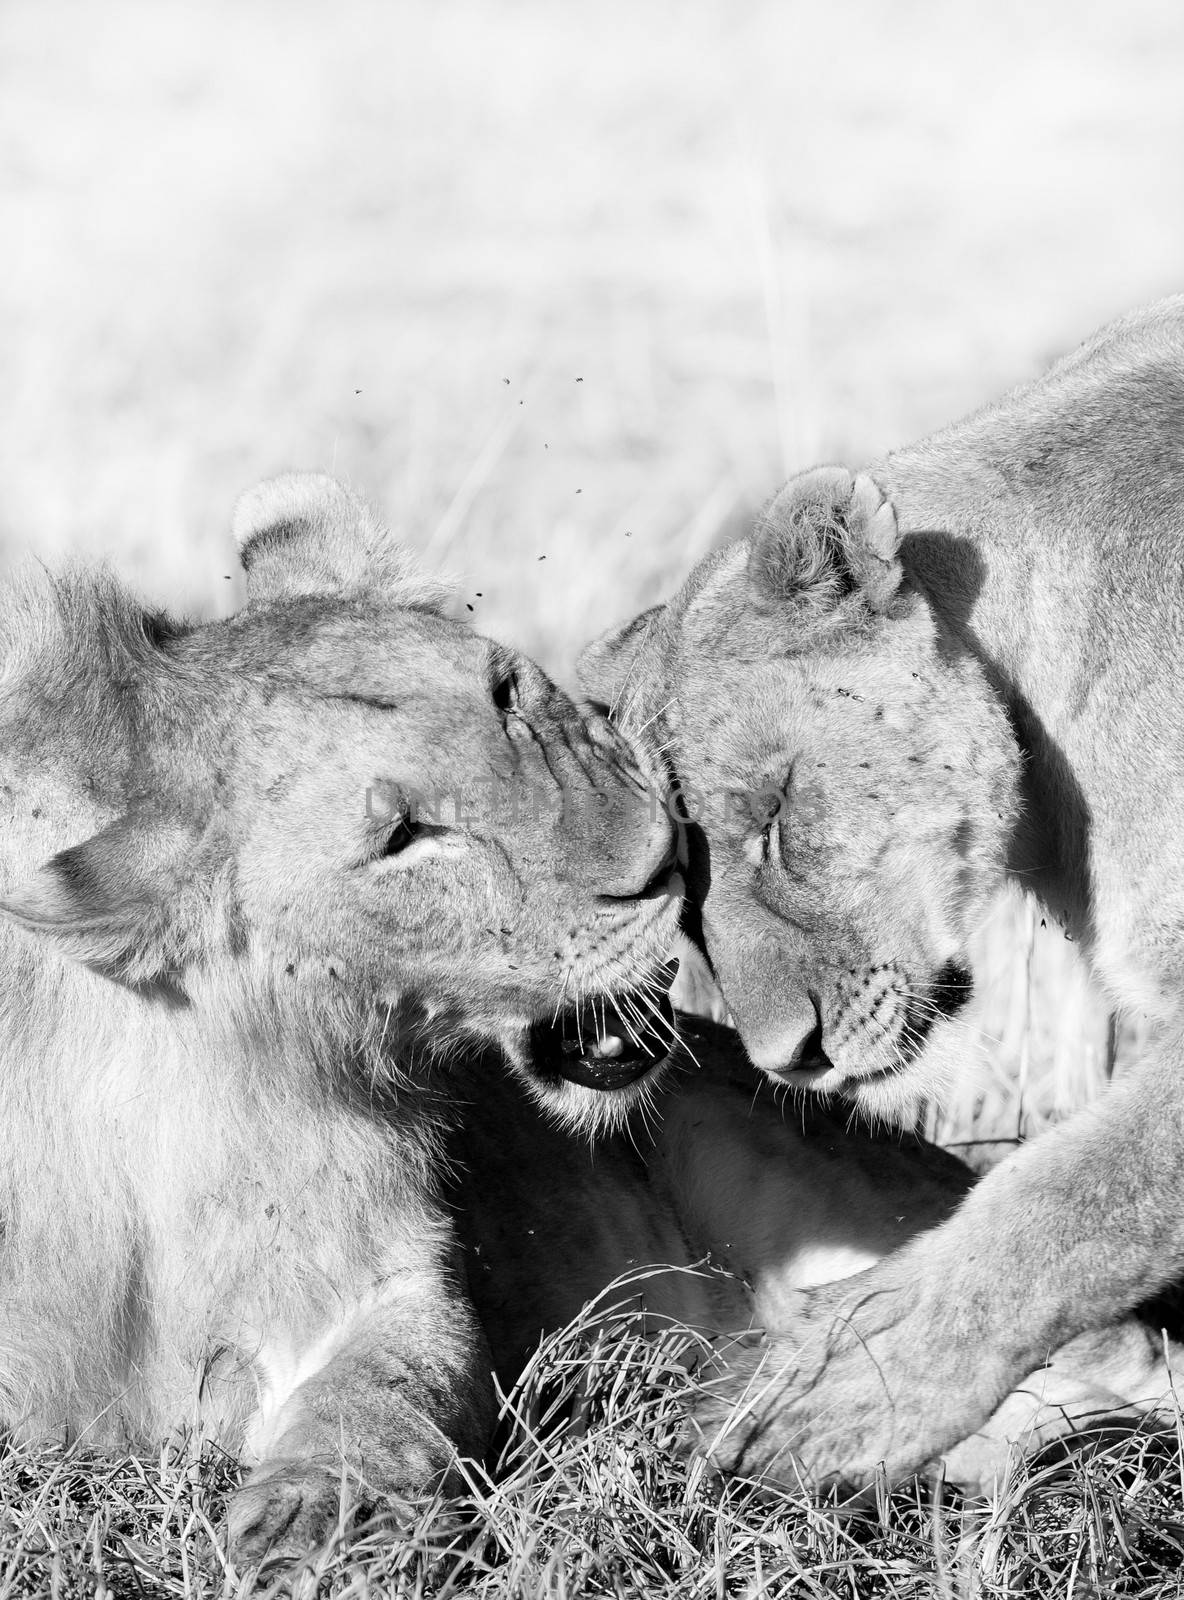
x=963, y=662
x=236, y=963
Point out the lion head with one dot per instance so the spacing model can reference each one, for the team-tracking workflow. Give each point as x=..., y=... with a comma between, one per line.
x=352, y=812
x=848, y=783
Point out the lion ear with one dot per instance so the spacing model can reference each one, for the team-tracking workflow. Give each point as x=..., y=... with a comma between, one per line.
x=307, y=534
x=608, y=665
x=111, y=902
x=826, y=536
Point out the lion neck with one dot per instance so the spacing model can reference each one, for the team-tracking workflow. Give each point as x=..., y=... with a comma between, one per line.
x=209, y=1057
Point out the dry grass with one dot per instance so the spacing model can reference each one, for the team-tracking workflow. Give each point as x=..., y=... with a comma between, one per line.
x=589, y=1500
x=578, y=283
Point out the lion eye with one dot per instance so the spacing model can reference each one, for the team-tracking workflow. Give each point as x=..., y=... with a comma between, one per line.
x=771, y=842
x=770, y=804
x=770, y=810
x=401, y=835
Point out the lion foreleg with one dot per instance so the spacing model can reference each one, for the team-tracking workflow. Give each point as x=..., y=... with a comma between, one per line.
x=372, y=1412
x=900, y=1362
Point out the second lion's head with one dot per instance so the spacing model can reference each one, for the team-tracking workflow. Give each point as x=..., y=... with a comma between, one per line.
x=849, y=783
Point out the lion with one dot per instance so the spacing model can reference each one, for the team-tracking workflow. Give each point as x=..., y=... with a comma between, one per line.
x=906, y=686
x=256, y=899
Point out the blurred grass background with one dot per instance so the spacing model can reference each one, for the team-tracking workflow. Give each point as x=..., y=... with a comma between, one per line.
x=576, y=281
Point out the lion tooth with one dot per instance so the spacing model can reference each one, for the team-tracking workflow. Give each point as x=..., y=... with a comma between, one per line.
x=609, y=1046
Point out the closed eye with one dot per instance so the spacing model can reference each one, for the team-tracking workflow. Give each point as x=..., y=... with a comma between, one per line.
x=772, y=807
x=771, y=803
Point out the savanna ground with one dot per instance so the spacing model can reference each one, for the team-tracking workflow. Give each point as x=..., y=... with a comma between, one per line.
x=568, y=289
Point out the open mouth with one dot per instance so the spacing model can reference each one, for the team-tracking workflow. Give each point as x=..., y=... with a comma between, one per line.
x=608, y=1043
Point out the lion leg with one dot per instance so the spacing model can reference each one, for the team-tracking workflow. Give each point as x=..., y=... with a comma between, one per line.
x=898, y=1363
x=373, y=1412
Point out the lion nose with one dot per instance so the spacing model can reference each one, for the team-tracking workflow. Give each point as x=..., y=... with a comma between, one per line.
x=794, y=1044
x=810, y=1055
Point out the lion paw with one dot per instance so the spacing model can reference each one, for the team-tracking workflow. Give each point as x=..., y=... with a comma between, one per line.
x=723, y=1428
x=283, y=1511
